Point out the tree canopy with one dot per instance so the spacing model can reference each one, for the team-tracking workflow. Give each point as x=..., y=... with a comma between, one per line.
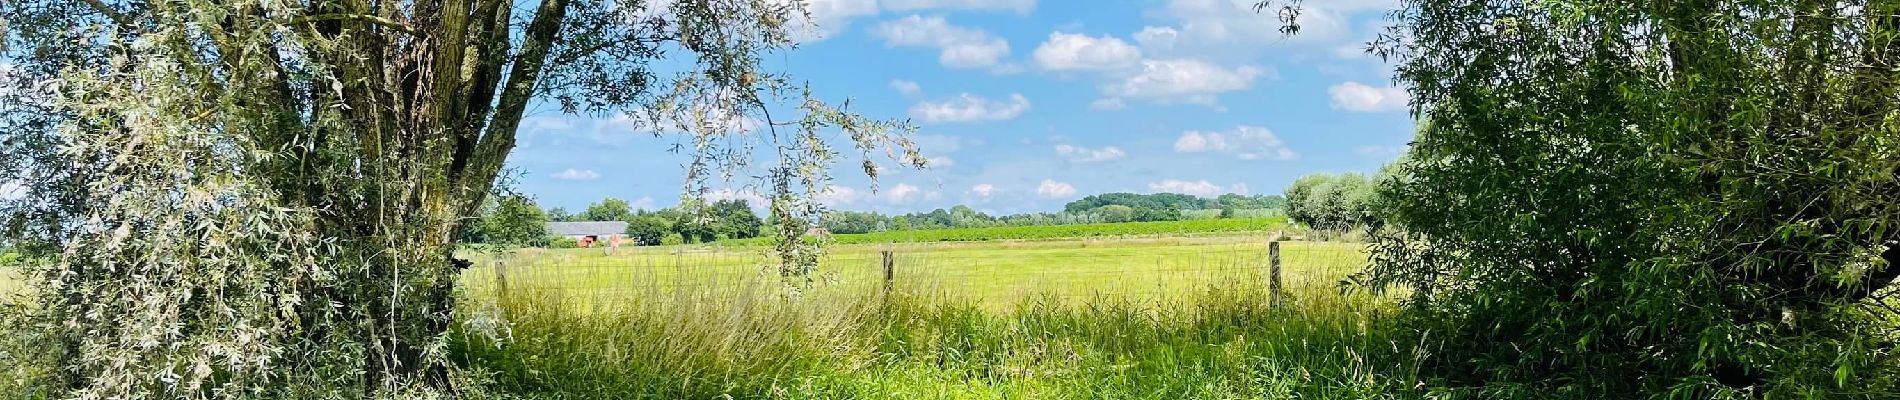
x=312, y=162
x=1616, y=199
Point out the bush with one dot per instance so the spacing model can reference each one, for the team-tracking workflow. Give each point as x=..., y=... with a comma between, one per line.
x=562, y=242
x=673, y=239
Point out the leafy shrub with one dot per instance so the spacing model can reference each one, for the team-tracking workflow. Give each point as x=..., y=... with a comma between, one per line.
x=562, y=242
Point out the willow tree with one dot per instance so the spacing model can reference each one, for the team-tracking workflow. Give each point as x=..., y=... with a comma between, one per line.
x=1621, y=199
x=257, y=198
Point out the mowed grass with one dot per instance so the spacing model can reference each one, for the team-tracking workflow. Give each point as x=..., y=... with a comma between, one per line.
x=995, y=274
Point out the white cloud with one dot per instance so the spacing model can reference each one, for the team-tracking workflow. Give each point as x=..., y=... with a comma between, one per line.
x=11, y=191
x=1157, y=37
x=902, y=193
x=1084, y=154
x=577, y=175
x=1232, y=28
x=645, y=203
x=906, y=88
x=1108, y=103
x=1246, y=142
x=958, y=47
x=831, y=17
x=1019, y=6
x=970, y=108
x=752, y=198
x=1239, y=188
x=1358, y=97
x=983, y=190
x=839, y=195
x=1075, y=52
x=1201, y=188
x=1055, y=190
x=1183, y=80
x=941, y=162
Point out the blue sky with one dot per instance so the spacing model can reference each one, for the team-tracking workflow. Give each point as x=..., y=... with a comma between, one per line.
x=1025, y=105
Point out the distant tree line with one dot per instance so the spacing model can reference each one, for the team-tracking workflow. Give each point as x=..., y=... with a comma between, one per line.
x=516, y=221
x=1102, y=208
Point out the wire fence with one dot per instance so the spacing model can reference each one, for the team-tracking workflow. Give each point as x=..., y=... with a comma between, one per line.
x=995, y=273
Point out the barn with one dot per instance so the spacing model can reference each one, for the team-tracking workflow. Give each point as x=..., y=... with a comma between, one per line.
x=591, y=232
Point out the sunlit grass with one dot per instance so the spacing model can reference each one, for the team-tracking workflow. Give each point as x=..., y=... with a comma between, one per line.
x=1161, y=319
x=994, y=274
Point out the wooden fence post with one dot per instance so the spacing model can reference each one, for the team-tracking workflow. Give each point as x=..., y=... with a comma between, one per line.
x=890, y=277
x=501, y=279
x=1273, y=272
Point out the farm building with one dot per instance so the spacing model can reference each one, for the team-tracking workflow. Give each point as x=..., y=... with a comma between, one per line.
x=589, y=233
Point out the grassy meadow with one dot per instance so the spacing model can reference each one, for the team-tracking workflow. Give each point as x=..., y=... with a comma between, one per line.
x=1161, y=318
x=995, y=274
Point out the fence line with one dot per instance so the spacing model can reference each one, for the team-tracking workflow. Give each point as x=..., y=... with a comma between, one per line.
x=1000, y=275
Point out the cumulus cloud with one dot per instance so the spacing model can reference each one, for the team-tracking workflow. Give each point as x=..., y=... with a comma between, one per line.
x=1183, y=81
x=902, y=193
x=940, y=162
x=983, y=190
x=1234, y=28
x=1245, y=142
x=1109, y=103
x=1084, y=154
x=906, y=88
x=1074, y=52
x=1019, y=6
x=572, y=174
x=1055, y=190
x=958, y=47
x=970, y=108
x=1201, y=188
x=645, y=203
x=828, y=17
x=1359, y=97
x=839, y=195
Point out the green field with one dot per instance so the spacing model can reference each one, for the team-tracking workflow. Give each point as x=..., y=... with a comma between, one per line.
x=1153, y=318
x=992, y=273
x=1044, y=232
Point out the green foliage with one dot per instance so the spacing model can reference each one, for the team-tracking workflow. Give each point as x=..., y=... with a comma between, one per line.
x=673, y=239
x=648, y=230
x=248, y=198
x=512, y=220
x=1115, y=213
x=1036, y=232
x=1331, y=202
x=559, y=214
x=1661, y=200
x=608, y=209
x=562, y=242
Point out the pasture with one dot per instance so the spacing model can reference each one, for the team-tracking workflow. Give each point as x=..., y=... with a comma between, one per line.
x=1163, y=318
x=996, y=274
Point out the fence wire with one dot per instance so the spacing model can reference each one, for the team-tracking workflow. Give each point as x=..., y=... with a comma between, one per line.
x=998, y=274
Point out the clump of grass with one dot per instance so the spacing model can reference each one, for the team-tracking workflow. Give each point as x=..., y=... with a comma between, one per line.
x=1226, y=341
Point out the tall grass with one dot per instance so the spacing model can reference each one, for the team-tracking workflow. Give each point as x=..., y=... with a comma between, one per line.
x=1223, y=342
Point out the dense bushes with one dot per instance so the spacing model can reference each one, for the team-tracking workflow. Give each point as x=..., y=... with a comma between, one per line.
x=1331, y=202
x=1693, y=200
